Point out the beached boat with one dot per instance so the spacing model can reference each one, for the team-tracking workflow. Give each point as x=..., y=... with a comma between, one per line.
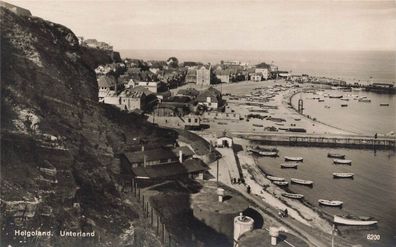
x=384, y=104
x=273, y=178
x=353, y=222
x=344, y=105
x=330, y=203
x=334, y=155
x=301, y=181
x=266, y=149
x=320, y=100
x=345, y=99
x=343, y=174
x=292, y=195
x=280, y=183
x=342, y=162
x=335, y=96
x=296, y=159
x=289, y=165
x=268, y=154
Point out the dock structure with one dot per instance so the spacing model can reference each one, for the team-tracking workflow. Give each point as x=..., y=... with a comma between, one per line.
x=321, y=140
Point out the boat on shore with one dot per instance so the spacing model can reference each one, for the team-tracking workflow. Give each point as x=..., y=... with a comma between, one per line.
x=342, y=162
x=266, y=149
x=344, y=105
x=343, y=174
x=335, y=96
x=273, y=178
x=289, y=165
x=353, y=222
x=330, y=203
x=384, y=104
x=296, y=159
x=281, y=183
x=292, y=195
x=301, y=181
x=337, y=156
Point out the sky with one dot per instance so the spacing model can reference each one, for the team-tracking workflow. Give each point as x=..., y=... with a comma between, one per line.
x=226, y=25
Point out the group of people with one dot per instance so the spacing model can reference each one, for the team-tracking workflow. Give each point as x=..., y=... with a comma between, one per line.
x=237, y=181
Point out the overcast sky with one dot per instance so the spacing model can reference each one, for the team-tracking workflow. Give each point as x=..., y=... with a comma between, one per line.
x=224, y=25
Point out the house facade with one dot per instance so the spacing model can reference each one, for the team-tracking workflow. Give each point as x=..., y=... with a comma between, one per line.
x=265, y=72
x=203, y=75
x=255, y=77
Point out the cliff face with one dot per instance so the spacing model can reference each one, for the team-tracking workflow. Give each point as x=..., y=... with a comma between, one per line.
x=58, y=170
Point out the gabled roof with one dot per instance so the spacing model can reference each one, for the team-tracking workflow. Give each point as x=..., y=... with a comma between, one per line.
x=106, y=81
x=186, y=151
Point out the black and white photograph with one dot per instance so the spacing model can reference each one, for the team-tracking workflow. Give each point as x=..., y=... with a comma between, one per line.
x=198, y=123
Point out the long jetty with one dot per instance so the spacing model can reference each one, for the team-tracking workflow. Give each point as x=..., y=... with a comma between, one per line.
x=320, y=140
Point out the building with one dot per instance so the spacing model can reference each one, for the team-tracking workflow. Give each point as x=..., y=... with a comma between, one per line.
x=191, y=76
x=223, y=75
x=17, y=10
x=255, y=77
x=265, y=72
x=133, y=99
x=203, y=75
x=222, y=115
x=152, y=157
x=107, y=86
x=211, y=98
x=224, y=140
x=152, y=86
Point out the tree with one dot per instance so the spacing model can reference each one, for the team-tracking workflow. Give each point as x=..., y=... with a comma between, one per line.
x=172, y=62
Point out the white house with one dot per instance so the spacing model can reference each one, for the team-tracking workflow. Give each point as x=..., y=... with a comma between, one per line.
x=224, y=140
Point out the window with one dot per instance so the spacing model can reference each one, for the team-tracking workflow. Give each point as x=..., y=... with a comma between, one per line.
x=196, y=120
x=189, y=120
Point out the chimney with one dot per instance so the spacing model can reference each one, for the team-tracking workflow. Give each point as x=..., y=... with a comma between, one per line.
x=220, y=193
x=180, y=156
x=144, y=160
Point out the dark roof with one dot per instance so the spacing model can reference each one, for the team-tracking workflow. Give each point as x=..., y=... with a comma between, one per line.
x=211, y=92
x=151, y=155
x=189, y=91
x=106, y=81
x=186, y=151
x=224, y=134
x=168, y=170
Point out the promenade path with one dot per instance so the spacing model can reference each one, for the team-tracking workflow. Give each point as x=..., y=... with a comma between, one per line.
x=227, y=166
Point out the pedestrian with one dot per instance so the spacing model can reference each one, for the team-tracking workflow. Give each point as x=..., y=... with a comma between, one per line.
x=376, y=135
x=248, y=189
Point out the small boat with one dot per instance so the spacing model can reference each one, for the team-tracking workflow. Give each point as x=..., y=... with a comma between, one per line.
x=301, y=181
x=343, y=174
x=344, y=105
x=330, y=203
x=342, y=162
x=292, y=195
x=335, y=96
x=334, y=155
x=353, y=222
x=364, y=100
x=320, y=100
x=384, y=104
x=296, y=159
x=297, y=119
x=273, y=178
x=268, y=154
x=289, y=165
x=280, y=183
x=267, y=149
x=344, y=99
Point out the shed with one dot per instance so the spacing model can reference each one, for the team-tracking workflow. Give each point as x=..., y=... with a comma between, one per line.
x=224, y=140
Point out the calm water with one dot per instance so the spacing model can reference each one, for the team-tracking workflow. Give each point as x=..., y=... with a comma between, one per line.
x=351, y=66
x=358, y=117
x=371, y=192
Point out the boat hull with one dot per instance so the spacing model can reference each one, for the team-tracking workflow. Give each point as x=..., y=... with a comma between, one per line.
x=329, y=203
x=353, y=222
x=342, y=162
x=293, y=196
x=295, y=159
x=343, y=175
x=301, y=182
x=337, y=156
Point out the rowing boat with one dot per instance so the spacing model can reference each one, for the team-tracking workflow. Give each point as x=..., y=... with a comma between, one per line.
x=334, y=155
x=297, y=159
x=343, y=175
x=289, y=165
x=342, y=162
x=280, y=183
x=273, y=178
x=292, y=195
x=330, y=203
x=268, y=154
x=301, y=181
x=353, y=222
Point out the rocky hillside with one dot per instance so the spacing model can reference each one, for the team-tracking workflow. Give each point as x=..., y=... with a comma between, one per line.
x=58, y=144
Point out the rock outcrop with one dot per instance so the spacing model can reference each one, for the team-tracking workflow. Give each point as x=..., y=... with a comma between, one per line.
x=58, y=144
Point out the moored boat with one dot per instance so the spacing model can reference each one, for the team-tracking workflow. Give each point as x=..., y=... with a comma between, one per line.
x=330, y=203
x=342, y=162
x=273, y=178
x=268, y=154
x=301, y=181
x=364, y=100
x=289, y=165
x=334, y=155
x=353, y=222
x=280, y=183
x=292, y=195
x=343, y=175
x=296, y=159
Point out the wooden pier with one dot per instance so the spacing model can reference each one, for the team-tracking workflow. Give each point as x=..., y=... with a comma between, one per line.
x=316, y=140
